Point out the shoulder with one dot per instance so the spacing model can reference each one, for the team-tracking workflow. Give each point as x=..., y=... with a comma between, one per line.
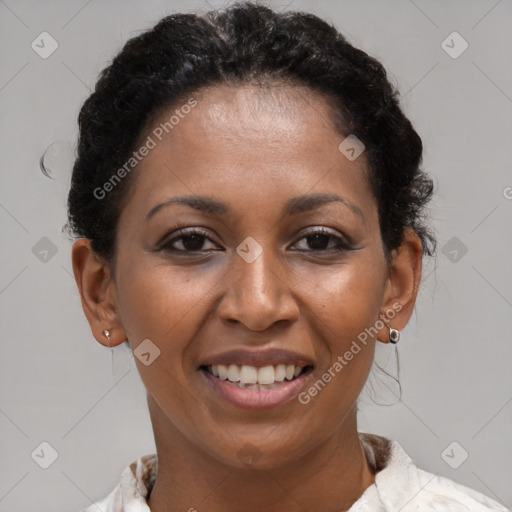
x=111, y=503
x=130, y=494
x=403, y=486
x=439, y=491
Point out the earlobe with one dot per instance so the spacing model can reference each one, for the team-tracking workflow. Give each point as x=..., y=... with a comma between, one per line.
x=402, y=285
x=97, y=293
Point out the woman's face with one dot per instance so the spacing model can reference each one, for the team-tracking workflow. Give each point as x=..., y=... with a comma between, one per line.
x=265, y=263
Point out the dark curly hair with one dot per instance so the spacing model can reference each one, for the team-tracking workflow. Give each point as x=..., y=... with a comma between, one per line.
x=241, y=44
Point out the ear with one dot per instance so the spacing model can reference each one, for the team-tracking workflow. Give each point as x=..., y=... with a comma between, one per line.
x=402, y=285
x=97, y=292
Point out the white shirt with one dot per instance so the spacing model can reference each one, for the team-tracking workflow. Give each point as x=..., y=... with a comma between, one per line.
x=400, y=486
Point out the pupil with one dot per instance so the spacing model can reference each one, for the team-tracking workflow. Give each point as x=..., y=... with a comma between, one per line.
x=197, y=242
x=317, y=241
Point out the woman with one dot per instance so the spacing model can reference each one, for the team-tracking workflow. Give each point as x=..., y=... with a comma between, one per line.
x=249, y=205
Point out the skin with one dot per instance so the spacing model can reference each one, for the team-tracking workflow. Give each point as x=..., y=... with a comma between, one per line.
x=253, y=148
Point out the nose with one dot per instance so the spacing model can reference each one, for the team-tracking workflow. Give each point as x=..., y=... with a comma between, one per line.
x=257, y=294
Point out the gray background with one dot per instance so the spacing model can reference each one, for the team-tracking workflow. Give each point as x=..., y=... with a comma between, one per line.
x=58, y=385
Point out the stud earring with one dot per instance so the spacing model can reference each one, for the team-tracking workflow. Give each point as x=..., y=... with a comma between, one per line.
x=106, y=332
x=394, y=335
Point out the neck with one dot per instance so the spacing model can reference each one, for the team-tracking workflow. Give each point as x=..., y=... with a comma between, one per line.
x=330, y=478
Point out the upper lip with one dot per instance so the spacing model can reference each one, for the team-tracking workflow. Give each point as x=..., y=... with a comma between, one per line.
x=258, y=358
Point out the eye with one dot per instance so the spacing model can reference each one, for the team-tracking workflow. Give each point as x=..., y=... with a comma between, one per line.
x=324, y=240
x=193, y=240
x=187, y=240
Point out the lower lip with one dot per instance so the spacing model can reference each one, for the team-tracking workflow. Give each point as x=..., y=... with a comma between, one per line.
x=256, y=398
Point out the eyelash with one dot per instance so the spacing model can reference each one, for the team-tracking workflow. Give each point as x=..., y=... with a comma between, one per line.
x=341, y=243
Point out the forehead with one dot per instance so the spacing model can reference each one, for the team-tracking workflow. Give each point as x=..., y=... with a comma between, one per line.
x=270, y=110
x=245, y=142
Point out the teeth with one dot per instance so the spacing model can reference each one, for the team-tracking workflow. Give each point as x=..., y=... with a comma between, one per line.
x=280, y=373
x=266, y=375
x=246, y=374
x=223, y=371
x=233, y=373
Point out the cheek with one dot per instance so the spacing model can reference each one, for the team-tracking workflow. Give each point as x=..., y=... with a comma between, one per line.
x=344, y=300
x=162, y=302
x=347, y=304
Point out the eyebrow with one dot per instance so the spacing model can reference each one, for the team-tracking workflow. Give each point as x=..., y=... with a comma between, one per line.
x=294, y=206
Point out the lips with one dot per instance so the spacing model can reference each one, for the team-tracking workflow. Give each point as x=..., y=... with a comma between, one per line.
x=257, y=378
x=256, y=396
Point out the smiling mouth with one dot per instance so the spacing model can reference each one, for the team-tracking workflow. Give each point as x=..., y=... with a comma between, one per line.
x=257, y=378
